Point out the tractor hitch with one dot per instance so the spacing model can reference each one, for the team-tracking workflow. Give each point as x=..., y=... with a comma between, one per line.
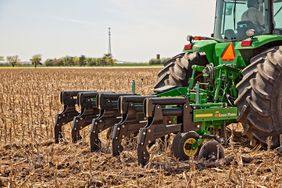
x=69, y=100
x=158, y=112
x=133, y=118
x=108, y=116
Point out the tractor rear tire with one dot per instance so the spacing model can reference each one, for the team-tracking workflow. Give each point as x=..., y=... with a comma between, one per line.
x=169, y=63
x=260, y=98
x=179, y=69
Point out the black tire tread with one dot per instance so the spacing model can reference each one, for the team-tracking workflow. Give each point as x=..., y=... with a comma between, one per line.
x=170, y=63
x=258, y=92
x=183, y=137
x=175, y=143
x=177, y=72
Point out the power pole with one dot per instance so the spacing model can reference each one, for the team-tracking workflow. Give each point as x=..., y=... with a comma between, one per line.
x=110, y=48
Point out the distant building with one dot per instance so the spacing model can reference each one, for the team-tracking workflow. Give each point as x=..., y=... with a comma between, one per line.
x=120, y=62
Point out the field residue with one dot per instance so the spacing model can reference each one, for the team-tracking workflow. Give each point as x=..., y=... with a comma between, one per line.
x=29, y=101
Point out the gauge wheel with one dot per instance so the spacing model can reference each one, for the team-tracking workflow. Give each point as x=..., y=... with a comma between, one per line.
x=184, y=145
x=211, y=150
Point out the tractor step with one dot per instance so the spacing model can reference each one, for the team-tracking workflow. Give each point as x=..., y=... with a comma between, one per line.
x=89, y=110
x=69, y=100
x=133, y=118
x=108, y=116
x=158, y=112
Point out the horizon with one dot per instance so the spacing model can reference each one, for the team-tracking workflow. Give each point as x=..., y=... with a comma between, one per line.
x=139, y=30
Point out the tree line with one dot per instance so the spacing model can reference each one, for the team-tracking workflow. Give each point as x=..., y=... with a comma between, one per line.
x=15, y=60
x=63, y=61
x=82, y=60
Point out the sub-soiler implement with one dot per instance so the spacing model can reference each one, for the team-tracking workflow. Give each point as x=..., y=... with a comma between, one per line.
x=233, y=76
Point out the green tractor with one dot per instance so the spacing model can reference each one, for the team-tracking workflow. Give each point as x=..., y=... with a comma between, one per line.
x=233, y=76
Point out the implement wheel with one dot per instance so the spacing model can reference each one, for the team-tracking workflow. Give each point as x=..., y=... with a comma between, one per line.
x=211, y=150
x=184, y=145
x=175, y=143
x=260, y=98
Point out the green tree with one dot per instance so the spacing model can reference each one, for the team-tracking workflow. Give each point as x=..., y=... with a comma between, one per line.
x=68, y=60
x=155, y=61
x=36, y=60
x=76, y=60
x=107, y=59
x=91, y=61
x=13, y=60
x=82, y=60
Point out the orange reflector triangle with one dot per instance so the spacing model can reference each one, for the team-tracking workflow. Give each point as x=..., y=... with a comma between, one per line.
x=229, y=53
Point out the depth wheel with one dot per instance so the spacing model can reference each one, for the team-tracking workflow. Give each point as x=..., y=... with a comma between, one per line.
x=175, y=143
x=211, y=150
x=185, y=145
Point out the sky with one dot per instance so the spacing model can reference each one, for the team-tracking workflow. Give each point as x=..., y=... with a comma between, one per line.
x=140, y=28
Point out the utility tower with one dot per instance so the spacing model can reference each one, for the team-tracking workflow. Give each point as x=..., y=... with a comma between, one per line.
x=110, y=47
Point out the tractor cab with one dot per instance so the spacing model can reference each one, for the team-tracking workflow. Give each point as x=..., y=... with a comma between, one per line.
x=236, y=20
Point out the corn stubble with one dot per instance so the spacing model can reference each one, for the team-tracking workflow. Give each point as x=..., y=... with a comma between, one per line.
x=29, y=101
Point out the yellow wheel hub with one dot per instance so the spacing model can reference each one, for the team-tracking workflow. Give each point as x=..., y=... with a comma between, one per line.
x=187, y=147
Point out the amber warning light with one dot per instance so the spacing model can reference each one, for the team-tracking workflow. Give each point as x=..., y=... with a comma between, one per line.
x=229, y=53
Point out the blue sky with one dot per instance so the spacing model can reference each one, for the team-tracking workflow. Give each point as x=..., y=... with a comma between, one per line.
x=140, y=28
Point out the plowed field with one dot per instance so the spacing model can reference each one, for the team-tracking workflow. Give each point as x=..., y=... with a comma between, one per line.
x=29, y=102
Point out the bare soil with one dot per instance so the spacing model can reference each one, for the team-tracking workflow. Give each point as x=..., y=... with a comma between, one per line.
x=29, y=158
